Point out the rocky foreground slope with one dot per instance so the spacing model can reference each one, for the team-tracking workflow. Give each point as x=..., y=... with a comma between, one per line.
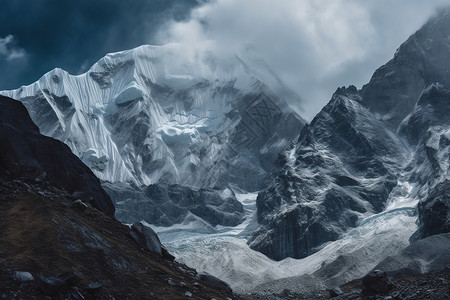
x=57, y=234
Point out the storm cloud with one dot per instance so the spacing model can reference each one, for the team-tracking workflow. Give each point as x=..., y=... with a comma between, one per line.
x=39, y=35
x=314, y=46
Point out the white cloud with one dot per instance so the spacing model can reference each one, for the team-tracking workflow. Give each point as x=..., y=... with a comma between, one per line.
x=9, y=50
x=313, y=45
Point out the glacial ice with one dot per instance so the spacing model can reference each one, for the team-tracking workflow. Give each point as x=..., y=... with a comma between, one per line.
x=224, y=253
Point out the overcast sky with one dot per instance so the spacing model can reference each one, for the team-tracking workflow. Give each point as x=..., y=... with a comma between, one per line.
x=314, y=46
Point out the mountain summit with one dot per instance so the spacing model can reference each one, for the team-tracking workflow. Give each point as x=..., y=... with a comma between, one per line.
x=159, y=114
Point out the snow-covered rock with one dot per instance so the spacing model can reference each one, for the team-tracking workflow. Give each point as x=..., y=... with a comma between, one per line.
x=155, y=114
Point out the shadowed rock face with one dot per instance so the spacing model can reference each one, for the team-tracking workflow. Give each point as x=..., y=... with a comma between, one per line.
x=348, y=163
x=423, y=59
x=343, y=166
x=25, y=153
x=428, y=127
x=434, y=212
x=164, y=205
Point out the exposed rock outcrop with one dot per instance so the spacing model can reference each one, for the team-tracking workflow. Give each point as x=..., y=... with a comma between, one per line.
x=164, y=205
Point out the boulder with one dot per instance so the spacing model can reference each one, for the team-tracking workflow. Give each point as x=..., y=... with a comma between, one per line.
x=214, y=281
x=69, y=278
x=146, y=238
x=94, y=287
x=79, y=205
x=375, y=283
x=49, y=285
x=23, y=276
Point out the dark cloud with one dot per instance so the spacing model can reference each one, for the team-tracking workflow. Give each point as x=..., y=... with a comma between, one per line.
x=73, y=34
x=314, y=46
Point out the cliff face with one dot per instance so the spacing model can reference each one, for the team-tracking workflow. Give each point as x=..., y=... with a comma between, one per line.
x=343, y=167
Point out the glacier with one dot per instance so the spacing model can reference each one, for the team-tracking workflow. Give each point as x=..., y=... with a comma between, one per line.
x=224, y=252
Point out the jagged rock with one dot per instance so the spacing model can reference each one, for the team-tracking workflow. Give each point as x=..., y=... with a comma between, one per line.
x=27, y=154
x=146, y=238
x=352, y=158
x=343, y=164
x=23, y=276
x=79, y=205
x=165, y=205
x=434, y=212
x=69, y=278
x=94, y=287
x=50, y=285
x=423, y=59
x=335, y=292
x=432, y=109
x=214, y=281
x=375, y=283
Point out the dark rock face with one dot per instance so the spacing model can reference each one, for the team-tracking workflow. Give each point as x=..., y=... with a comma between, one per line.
x=432, y=109
x=425, y=255
x=25, y=153
x=50, y=285
x=94, y=254
x=376, y=283
x=428, y=127
x=343, y=165
x=146, y=238
x=434, y=212
x=214, y=281
x=164, y=205
x=423, y=59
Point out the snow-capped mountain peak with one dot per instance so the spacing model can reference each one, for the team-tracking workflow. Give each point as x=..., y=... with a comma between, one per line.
x=166, y=114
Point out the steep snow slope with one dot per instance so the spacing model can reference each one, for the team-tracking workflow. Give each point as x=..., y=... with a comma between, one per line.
x=164, y=114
